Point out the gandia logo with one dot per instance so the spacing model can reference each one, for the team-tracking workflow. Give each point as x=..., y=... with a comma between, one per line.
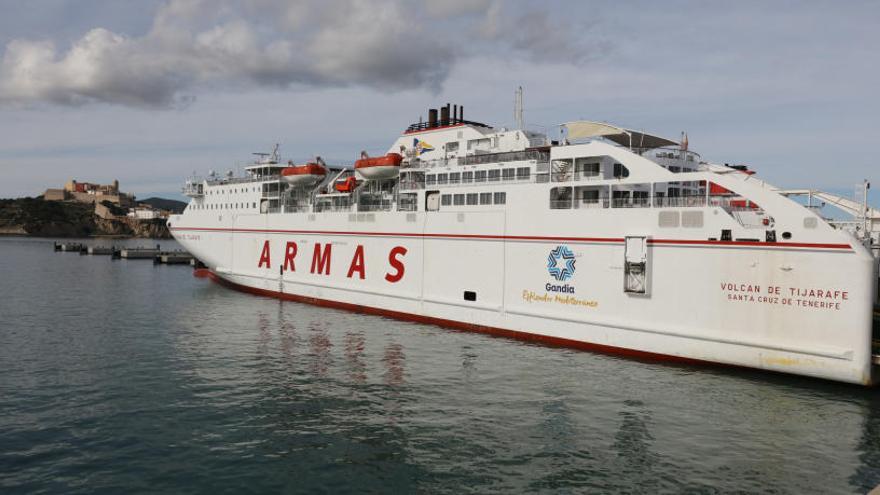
x=560, y=263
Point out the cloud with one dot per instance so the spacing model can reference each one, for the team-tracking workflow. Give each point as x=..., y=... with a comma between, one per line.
x=195, y=45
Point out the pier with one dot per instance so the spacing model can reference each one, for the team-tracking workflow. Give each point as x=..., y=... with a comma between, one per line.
x=69, y=247
x=139, y=253
x=174, y=258
x=159, y=257
x=99, y=250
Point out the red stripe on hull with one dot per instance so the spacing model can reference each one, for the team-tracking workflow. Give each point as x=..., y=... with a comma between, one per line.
x=751, y=243
x=458, y=325
x=695, y=242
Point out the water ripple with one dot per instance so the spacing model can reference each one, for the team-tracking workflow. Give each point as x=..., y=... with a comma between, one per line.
x=124, y=377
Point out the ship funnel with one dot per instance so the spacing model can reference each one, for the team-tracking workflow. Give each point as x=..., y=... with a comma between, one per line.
x=455, y=113
x=444, y=115
x=432, y=117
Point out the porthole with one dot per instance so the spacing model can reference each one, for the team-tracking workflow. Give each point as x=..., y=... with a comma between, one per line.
x=786, y=235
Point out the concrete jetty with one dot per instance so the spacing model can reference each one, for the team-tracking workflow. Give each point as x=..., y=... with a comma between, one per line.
x=173, y=258
x=139, y=253
x=159, y=257
x=99, y=250
x=69, y=247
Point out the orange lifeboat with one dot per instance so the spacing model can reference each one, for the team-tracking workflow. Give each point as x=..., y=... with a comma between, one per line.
x=304, y=175
x=380, y=167
x=346, y=185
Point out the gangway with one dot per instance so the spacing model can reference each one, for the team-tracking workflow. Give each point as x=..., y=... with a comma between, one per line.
x=854, y=208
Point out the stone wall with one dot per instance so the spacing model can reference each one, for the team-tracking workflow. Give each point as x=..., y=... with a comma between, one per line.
x=103, y=212
x=55, y=195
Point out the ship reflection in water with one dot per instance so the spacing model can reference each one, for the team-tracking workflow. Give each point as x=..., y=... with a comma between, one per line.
x=174, y=384
x=583, y=419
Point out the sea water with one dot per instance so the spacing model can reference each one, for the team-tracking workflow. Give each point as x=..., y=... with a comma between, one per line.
x=125, y=377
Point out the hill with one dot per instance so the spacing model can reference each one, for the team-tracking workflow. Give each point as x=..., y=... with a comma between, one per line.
x=34, y=216
x=171, y=205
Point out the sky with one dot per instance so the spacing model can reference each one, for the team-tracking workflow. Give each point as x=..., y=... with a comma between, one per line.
x=149, y=92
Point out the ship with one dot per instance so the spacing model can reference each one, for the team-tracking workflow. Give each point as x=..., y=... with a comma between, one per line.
x=602, y=238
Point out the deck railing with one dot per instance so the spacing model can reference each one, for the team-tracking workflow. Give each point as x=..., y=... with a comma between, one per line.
x=509, y=156
x=378, y=206
x=679, y=201
x=637, y=202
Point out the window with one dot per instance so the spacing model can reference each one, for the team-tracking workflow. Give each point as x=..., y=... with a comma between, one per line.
x=430, y=179
x=472, y=198
x=589, y=196
x=458, y=199
x=479, y=144
x=620, y=171
x=452, y=146
x=446, y=200
x=500, y=198
x=586, y=169
x=454, y=178
x=560, y=198
x=523, y=173
x=255, y=204
x=467, y=177
x=508, y=173
x=480, y=176
x=442, y=178
x=494, y=175
x=486, y=198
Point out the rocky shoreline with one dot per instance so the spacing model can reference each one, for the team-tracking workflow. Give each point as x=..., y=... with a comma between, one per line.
x=39, y=218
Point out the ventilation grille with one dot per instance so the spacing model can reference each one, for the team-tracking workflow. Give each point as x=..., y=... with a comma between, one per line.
x=692, y=219
x=668, y=219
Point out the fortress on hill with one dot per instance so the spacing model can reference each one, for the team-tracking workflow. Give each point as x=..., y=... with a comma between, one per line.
x=87, y=192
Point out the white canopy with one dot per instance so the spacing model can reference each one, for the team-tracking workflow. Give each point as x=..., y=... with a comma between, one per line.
x=584, y=129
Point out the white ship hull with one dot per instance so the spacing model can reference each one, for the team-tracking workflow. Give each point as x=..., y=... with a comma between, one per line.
x=617, y=278
x=708, y=301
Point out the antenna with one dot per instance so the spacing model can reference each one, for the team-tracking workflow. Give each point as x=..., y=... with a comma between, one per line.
x=518, y=108
x=865, y=186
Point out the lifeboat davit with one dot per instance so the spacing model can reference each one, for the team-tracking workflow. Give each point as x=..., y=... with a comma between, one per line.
x=304, y=175
x=380, y=167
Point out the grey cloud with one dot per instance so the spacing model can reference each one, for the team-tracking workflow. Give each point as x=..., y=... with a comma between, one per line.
x=194, y=45
x=452, y=8
x=540, y=37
